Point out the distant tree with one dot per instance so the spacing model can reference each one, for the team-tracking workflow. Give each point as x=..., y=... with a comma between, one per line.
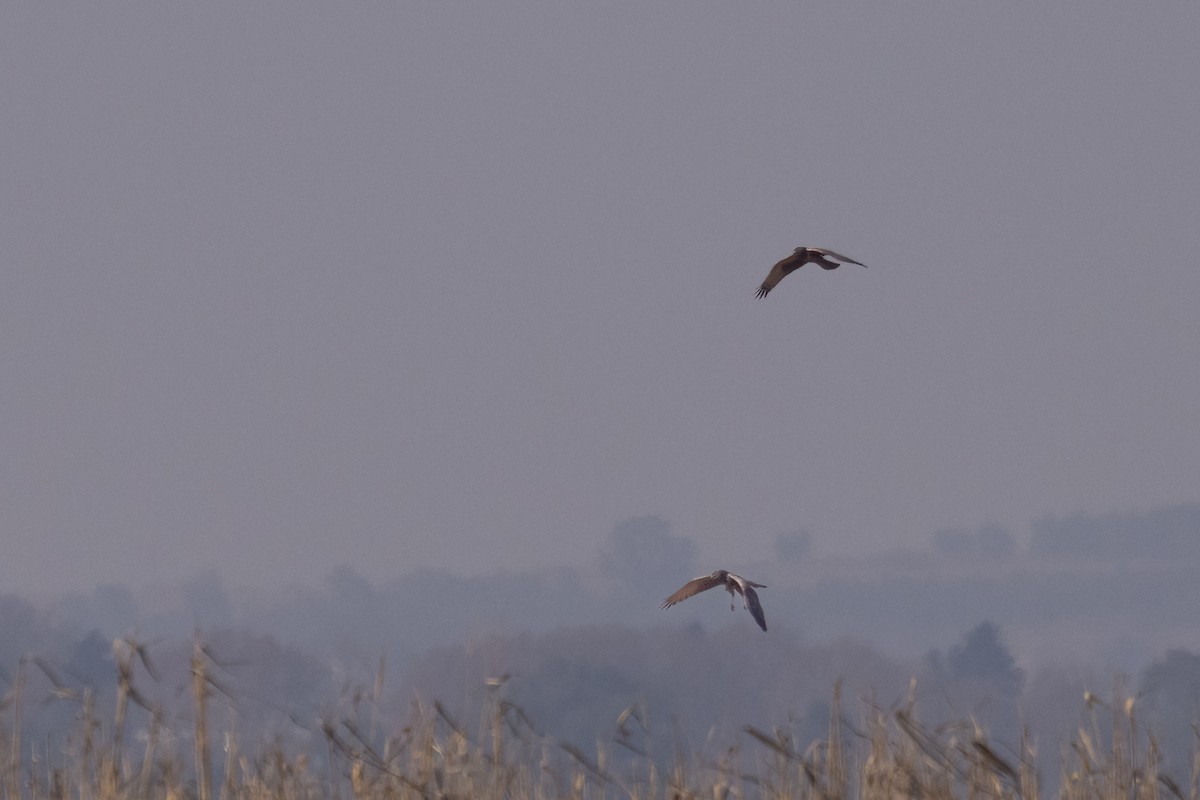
x=990, y=541
x=977, y=676
x=793, y=546
x=983, y=655
x=260, y=670
x=109, y=608
x=579, y=698
x=996, y=541
x=91, y=661
x=1166, y=532
x=349, y=586
x=955, y=542
x=641, y=555
x=271, y=687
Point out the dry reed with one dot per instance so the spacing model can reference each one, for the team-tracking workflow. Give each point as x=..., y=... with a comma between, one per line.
x=890, y=754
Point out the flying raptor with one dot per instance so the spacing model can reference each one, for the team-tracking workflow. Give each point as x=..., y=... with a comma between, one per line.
x=799, y=257
x=732, y=583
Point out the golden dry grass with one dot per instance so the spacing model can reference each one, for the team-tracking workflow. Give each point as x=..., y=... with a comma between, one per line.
x=887, y=754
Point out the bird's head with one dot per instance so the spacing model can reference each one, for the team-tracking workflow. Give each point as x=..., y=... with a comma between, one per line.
x=721, y=574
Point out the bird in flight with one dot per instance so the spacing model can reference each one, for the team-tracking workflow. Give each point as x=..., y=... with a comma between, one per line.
x=799, y=257
x=732, y=583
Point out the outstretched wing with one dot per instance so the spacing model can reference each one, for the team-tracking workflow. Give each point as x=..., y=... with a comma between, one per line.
x=830, y=254
x=779, y=272
x=753, y=606
x=694, y=586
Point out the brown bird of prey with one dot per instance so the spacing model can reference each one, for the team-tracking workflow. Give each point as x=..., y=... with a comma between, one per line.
x=732, y=583
x=799, y=257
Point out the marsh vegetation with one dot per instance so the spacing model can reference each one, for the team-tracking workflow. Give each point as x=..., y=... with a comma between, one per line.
x=134, y=750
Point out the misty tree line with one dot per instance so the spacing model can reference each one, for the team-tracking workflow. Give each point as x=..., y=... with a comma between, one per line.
x=578, y=646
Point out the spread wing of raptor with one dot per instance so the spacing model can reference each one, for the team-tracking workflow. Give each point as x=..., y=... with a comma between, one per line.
x=693, y=587
x=824, y=251
x=821, y=256
x=755, y=607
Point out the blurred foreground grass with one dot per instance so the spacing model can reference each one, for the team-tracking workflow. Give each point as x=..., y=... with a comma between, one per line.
x=867, y=752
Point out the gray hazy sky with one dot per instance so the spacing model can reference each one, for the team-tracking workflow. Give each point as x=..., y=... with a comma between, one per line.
x=287, y=285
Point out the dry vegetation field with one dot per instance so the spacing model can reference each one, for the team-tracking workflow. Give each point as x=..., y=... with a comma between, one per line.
x=868, y=752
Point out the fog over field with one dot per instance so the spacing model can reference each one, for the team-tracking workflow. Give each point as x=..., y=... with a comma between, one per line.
x=1010, y=634
x=401, y=352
